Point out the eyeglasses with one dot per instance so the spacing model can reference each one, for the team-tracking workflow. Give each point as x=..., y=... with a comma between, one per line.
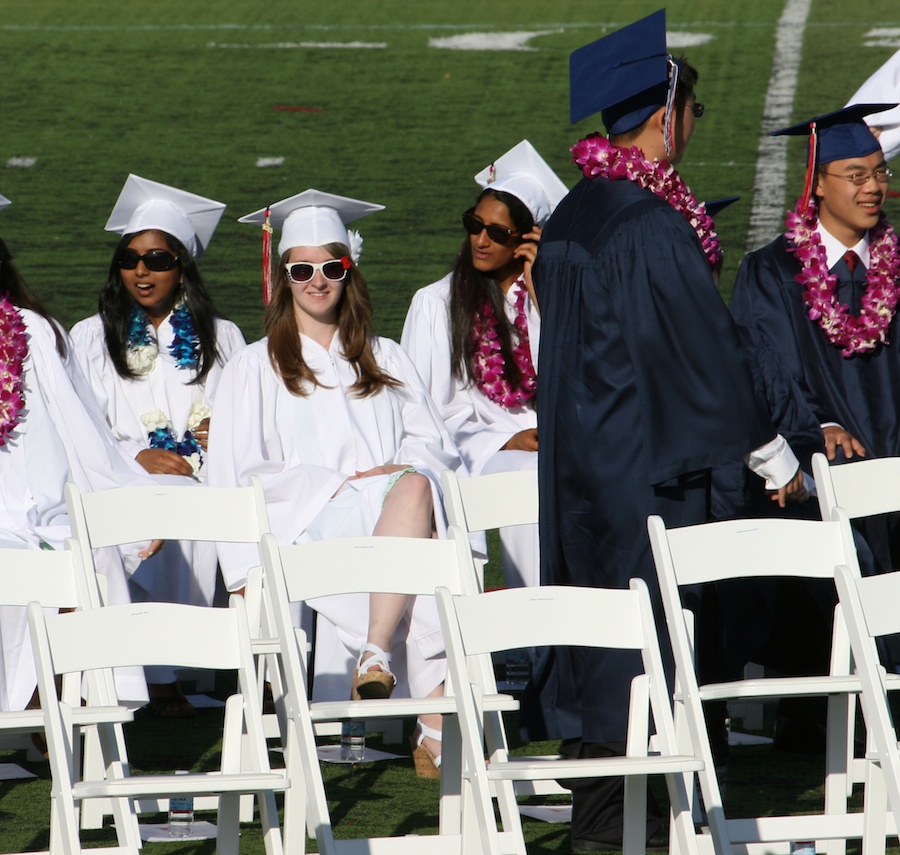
x=497, y=234
x=698, y=109
x=882, y=176
x=157, y=261
x=334, y=270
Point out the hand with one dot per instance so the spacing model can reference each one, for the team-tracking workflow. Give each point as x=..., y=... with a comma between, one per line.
x=201, y=433
x=793, y=491
x=152, y=549
x=159, y=461
x=524, y=440
x=527, y=250
x=836, y=436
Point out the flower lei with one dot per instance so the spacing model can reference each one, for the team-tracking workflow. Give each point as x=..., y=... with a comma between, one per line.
x=161, y=433
x=143, y=349
x=13, y=350
x=598, y=157
x=488, y=362
x=853, y=334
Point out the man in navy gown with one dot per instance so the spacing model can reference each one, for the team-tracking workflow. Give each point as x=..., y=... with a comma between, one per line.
x=643, y=385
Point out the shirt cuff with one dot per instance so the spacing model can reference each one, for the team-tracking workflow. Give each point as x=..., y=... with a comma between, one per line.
x=774, y=461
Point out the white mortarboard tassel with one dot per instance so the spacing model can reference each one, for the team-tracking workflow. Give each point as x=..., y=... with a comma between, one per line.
x=145, y=204
x=315, y=218
x=523, y=173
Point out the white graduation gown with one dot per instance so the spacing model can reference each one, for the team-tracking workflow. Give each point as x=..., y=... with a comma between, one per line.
x=61, y=436
x=180, y=572
x=479, y=426
x=304, y=449
x=883, y=87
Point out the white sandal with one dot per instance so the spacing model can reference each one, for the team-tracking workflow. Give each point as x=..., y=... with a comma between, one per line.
x=427, y=765
x=369, y=683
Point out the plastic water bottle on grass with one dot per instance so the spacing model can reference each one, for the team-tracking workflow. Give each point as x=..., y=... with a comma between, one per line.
x=181, y=814
x=353, y=741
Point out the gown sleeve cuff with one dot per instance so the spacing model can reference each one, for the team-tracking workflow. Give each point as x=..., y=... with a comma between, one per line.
x=774, y=461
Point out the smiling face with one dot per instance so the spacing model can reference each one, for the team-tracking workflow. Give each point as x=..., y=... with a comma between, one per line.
x=848, y=210
x=154, y=291
x=316, y=302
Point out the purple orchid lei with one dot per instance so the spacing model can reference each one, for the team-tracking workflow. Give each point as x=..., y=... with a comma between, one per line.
x=861, y=333
x=13, y=350
x=488, y=362
x=599, y=158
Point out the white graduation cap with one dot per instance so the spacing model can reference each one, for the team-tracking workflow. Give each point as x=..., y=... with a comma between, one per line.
x=145, y=204
x=525, y=174
x=4, y=202
x=314, y=218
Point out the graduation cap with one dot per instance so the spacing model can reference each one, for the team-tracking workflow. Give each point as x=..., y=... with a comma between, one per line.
x=526, y=175
x=145, y=204
x=627, y=75
x=836, y=136
x=716, y=206
x=4, y=202
x=310, y=218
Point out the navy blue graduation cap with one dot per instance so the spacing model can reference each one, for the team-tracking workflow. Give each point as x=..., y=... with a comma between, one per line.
x=627, y=76
x=716, y=206
x=836, y=136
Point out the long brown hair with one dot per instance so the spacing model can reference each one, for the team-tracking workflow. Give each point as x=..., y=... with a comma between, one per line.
x=354, y=328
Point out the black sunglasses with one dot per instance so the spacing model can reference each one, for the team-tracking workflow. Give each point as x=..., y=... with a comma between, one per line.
x=157, y=261
x=334, y=270
x=497, y=234
x=697, y=109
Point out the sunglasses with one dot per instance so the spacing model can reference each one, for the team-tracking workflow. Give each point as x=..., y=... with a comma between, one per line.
x=333, y=270
x=697, y=109
x=157, y=261
x=497, y=234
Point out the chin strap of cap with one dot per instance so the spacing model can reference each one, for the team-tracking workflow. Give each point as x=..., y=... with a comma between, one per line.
x=812, y=156
x=669, y=131
x=267, y=260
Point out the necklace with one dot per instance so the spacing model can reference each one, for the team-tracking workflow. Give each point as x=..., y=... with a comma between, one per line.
x=161, y=433
x=599, y=158
x=13, y=350
x=860, y=333
x=143, y=348
x=488, y=361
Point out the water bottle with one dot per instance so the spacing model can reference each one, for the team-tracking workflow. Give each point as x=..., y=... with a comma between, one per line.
x=353, y=741
x=181, y=813
x=803, y=847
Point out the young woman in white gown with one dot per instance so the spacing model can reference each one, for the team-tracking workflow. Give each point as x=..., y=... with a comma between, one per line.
x=346, y=440
x=473, y=335
x=153, y=355
x=50, y=433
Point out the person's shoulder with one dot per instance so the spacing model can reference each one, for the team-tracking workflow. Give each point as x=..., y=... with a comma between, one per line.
x=437, y=293
x=91, y=325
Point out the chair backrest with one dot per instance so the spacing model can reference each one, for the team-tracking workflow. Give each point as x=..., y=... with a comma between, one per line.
x=748, y=548
x=869, y=606
x=863, y=488
x=491, y=501
x=132, y=514
x=57, y=579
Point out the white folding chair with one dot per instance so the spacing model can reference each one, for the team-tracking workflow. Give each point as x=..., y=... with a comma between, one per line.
x=476, y=626
x=863, y=488
x=58, y=580
x=870, y=611
x=300, y=572
x=757, y=548
x=154, y=634
x=126, y=515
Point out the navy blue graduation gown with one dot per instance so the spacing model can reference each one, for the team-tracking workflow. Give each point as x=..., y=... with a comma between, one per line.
x=643, y=390
x=806, y=379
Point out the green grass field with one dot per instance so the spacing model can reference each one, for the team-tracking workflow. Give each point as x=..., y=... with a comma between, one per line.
x=194, y=94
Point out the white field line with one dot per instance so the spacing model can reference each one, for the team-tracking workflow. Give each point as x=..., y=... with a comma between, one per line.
x=301, y=45
x=767, y=214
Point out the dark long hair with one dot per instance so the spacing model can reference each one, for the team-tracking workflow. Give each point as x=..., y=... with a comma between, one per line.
x=19, y=294
x=116, y=304
x=470, y=289
x=354, y=328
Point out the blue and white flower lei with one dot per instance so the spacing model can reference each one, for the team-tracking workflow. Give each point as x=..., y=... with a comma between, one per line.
x=143, y=347
x=161, y=433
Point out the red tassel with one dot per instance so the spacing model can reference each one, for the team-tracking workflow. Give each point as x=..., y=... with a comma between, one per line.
x=267, y=260
x=810, y=163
